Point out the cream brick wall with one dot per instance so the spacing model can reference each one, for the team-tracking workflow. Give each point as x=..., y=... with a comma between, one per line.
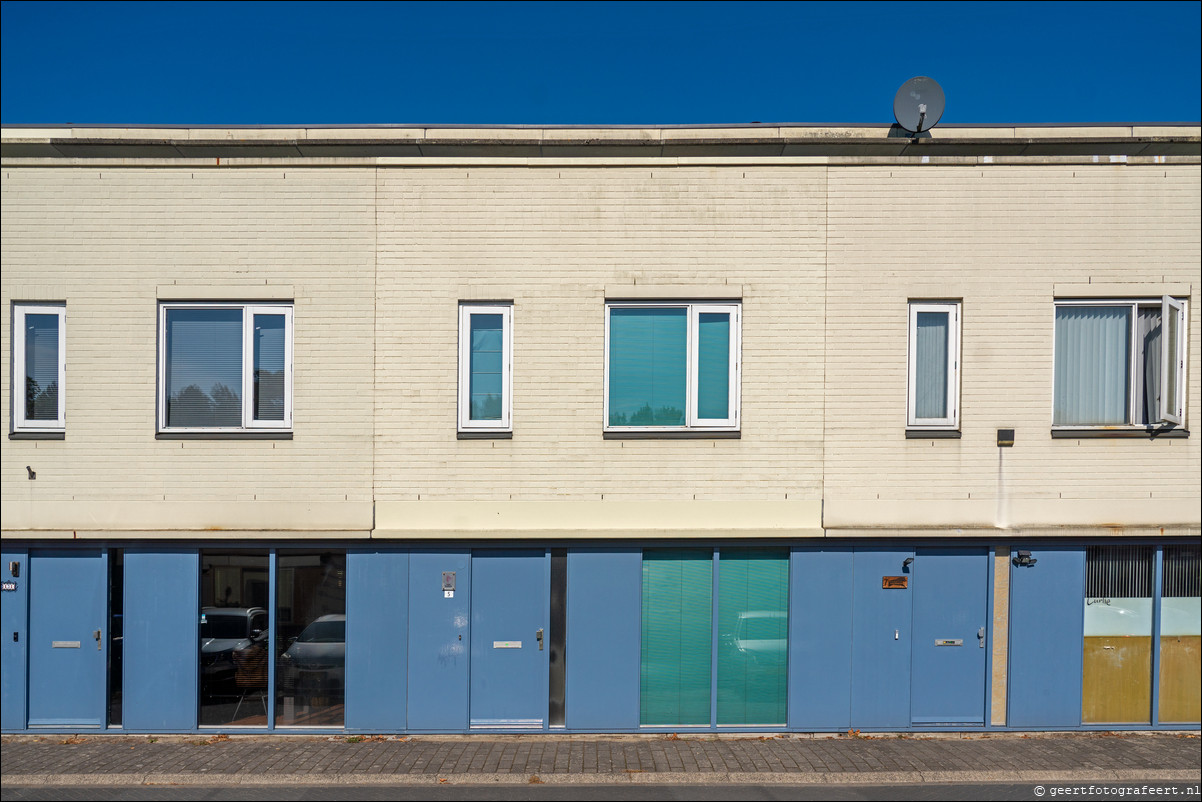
x=824, y=257
x=104, y=240
x=999, y=238
x=552, y=240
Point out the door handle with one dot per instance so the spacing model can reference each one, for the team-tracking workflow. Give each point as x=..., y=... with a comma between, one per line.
x=96, y=635
x=539, y=637
x=981, y=638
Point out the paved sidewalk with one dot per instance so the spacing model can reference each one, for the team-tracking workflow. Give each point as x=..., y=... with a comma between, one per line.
x=795, y=759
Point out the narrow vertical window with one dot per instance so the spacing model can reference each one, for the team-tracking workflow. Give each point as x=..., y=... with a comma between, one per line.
x=39, y=367
x=1181, y=634
x=1172, y=366
x=485, y=367
x=1117, y=670
x=934, y=359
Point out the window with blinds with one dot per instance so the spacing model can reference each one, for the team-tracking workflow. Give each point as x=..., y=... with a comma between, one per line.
x=672, y=366
x=1119, y=363
x=485, y=367
x=225, y=367
x=933, y=383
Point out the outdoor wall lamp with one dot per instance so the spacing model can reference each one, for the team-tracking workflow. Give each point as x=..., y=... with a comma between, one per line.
x=1023, y=558
x=906, y=562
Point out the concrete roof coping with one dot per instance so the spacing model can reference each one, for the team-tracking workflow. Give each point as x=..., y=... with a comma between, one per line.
x=753, y=139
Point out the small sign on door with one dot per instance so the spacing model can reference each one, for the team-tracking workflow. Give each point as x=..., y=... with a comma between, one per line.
x=894, y=582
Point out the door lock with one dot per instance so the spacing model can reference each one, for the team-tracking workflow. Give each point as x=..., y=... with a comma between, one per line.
x=96, y=635
x=539, y=637
x=981, y=638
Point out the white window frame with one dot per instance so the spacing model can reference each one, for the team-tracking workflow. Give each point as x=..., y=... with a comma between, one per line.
x=249, y=424
x=466, y=311
x=951, y=421
x=20, y=422
x=1172, y=411
x=693, y=423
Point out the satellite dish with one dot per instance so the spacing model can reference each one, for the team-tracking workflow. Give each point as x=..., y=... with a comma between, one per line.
x=918, y=105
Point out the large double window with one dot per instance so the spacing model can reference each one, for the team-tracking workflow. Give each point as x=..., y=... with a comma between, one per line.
x=1120, y=363
x=39, y=367
x=225, y=367
x=672, y=366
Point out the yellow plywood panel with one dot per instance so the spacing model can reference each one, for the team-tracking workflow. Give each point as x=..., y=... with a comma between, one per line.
x=1180, y=668
x=1117, y=682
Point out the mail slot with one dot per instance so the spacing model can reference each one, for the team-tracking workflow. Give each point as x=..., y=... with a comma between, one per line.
x=949, y=641
x=64, y=644
x=507, y=644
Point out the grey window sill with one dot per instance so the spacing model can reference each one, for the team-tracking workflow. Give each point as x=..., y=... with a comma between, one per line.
x=932, y=434
x=223, y=436
x=1146, y=434
x=37, y=435
x=684, y=434
x=484, y=435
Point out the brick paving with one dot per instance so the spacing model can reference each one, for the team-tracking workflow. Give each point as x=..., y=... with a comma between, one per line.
x=63, y=760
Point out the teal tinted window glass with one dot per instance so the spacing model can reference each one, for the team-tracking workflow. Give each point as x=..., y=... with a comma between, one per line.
x=753, y=627
x=648, y=355
x=204, y=367
x=269, y=367
x=930, y=364
x=486, y=378
x=41, y=367
x=676, y=638
x=713, y=365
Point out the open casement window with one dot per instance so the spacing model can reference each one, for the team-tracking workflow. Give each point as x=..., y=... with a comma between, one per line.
x=1120, y=363
x=933, y=374
x=485, y=367
x=225, y=367
x=672, y=367
x=39, y=367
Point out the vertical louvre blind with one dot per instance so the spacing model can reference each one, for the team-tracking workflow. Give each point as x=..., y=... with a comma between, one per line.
x=1182, y=571
x=1118, y=572
x=1092, y=358
x=713, y=365
x=930, y=396
x=204, y=367
x=753, y=625
x=41, y=367
x=269, y=367
x=486, y=382
x=676, y=637
x=648, y=353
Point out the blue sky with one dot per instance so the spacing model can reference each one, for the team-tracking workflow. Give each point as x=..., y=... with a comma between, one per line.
x=594, y=63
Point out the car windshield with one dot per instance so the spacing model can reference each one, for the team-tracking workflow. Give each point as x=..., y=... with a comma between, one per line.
x=324, y=632
x=223, y=626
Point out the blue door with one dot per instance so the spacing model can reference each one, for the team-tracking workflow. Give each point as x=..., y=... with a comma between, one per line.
x=882, y=584
x=951, y=588
x=68, y=632
x=439, y=608
x=509, y=635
